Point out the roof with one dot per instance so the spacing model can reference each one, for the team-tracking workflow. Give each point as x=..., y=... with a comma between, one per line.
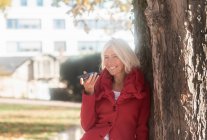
x=9, y=64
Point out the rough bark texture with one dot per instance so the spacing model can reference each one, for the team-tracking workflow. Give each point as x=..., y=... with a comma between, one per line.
x=178, y=45
x=143, y=49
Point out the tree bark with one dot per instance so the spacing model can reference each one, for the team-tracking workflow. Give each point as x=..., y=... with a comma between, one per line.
x=178, y=46
x=143, y=49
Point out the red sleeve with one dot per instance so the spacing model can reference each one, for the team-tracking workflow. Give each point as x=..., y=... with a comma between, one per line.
x=88, y=115
x=142, y=132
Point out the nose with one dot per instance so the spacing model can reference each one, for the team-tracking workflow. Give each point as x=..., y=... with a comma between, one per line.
x=110, y=62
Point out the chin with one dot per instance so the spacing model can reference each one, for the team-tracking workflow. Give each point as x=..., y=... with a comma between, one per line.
x=112, y=73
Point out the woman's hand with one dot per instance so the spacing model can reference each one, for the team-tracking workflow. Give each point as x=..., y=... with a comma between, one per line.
x=89, y=83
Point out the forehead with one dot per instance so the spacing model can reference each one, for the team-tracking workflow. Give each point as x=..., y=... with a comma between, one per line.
x=109, y=51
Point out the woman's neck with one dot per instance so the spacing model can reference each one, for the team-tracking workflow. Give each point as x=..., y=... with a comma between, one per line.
x=118, y=82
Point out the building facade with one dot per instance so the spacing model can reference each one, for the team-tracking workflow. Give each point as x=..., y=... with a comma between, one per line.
x=32, y=27
x=48, y=34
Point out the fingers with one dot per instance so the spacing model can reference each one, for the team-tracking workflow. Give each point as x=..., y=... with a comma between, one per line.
x=90, y=82
x=92, y=79
x=96, y=78
x=88, y=77
x=81, y=81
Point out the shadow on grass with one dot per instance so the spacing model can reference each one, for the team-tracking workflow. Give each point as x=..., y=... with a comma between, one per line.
x=17, y=107
x=31, y=128
x=35, y=122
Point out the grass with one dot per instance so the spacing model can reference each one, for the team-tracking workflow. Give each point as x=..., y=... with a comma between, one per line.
x=35, y=122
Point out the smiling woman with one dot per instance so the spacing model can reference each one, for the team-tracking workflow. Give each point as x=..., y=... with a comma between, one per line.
x=120, y=49
x=112, y=63
x=118, y=99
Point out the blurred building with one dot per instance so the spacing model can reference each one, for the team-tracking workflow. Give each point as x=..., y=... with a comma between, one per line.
x=38, y=35
x=33, y=27
x=28, y=77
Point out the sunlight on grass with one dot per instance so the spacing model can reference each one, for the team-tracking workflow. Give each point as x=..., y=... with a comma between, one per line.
x=35, y=122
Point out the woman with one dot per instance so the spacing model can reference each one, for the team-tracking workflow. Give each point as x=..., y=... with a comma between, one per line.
x=116, y=103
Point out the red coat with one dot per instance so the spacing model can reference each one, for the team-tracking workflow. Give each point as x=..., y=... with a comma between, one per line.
x=124, y=119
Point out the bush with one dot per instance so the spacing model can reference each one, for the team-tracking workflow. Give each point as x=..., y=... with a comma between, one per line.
x=74, y=66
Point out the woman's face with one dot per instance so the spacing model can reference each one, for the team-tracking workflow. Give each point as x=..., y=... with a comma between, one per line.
x=112, y=63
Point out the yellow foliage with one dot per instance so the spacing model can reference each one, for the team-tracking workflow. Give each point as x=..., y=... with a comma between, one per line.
x=124, y=7
x=97, y=1
x=66, y=1
x=85, y=2
x=4, y=4
x=79, y=1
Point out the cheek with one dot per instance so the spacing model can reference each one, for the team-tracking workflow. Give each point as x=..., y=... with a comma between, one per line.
x=120, y=64
x=109, y=63
x=122, y=67
x=105, y=63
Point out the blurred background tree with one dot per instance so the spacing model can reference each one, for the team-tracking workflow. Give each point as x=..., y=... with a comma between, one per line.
x=73, y=67
x=4, y=4
x=79, y=8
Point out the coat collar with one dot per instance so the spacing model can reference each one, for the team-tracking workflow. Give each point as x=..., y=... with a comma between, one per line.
x=133, y=85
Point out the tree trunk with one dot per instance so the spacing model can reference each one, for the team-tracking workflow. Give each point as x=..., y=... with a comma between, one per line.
x=178, y=45
x=143, y=49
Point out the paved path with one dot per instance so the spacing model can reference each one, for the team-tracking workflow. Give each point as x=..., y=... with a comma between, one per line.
x=39, y=102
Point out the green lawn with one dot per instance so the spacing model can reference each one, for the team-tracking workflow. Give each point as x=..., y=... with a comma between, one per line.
x=33, y=122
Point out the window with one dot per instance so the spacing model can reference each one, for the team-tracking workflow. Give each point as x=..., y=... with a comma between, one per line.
x=23, y=23
x=100, y=24
x=90, y=46
x=23, y=2
x=30, y=46
x=87, y=46
x=59, y=23
x=44, y=68
x=60, y=46
x=11, y=24
x=39, y=2
x=47, y=68
x=33, y=46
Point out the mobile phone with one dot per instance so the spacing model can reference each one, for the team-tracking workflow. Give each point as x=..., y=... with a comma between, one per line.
x=85, y=76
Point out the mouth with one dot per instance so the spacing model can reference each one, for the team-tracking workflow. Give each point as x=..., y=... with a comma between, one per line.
x=112, y=68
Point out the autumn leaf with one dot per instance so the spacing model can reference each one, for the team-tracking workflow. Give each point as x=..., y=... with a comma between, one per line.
x=4, y=4
x=66, y=1
x=98, y=1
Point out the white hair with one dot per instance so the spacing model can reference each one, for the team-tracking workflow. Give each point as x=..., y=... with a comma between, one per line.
x=123, y=52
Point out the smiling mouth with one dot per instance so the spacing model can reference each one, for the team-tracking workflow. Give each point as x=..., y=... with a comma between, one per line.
x=112, y=68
